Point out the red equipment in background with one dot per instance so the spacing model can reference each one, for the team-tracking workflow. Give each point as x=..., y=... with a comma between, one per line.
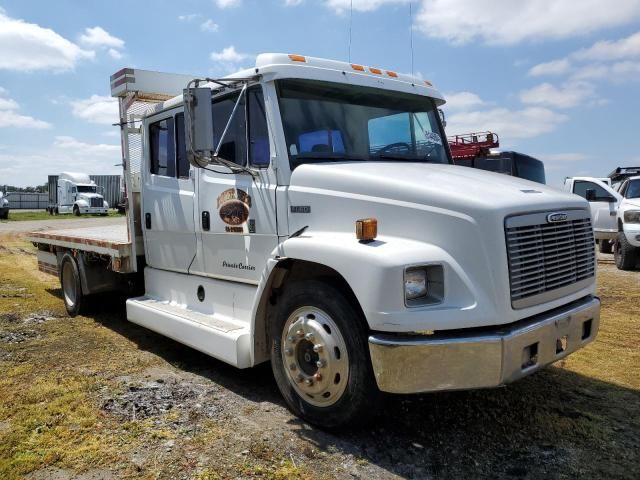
x=470, y=145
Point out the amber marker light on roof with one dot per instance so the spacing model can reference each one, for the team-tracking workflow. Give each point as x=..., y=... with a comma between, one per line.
x=377, y=71
x=392, y=74
x=357, y=67
x=428, y=83
x=366, y=229
x=297, y=58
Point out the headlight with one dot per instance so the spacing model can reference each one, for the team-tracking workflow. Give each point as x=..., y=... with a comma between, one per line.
x=632, y=216
x=423, y=285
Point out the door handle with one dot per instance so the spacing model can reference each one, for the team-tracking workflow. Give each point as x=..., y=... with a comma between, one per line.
x=147, y=221
x=206, y=221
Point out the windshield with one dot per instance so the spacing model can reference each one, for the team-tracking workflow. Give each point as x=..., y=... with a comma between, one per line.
x=633, y=190
x=86, y=189
x=529, y=168
x=326, y=121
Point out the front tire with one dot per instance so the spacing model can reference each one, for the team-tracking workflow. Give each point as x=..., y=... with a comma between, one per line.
x=76, y=211
x=74, y=300
x=625, y=254
x=320, y=356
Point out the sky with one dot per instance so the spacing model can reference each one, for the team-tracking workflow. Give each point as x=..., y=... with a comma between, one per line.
x=555, y=79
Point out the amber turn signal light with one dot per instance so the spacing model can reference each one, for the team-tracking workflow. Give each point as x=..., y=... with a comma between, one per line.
x=366, y=229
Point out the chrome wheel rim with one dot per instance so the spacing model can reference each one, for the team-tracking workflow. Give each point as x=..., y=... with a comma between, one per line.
x=68, y=284
x=315, y=357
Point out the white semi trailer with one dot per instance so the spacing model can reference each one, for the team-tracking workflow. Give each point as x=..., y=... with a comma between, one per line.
x=307, y=212
x=76, y=193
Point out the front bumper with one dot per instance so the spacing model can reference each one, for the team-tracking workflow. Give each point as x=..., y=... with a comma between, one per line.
x=632, y=232
x=482, y=357
x=93, y=210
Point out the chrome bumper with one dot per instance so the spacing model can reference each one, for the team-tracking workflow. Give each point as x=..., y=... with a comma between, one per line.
x=482, y=358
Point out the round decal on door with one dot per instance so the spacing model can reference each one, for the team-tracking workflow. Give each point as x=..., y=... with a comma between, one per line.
x=233, y=206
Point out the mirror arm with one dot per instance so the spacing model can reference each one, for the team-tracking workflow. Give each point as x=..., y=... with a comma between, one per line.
x=233, y=112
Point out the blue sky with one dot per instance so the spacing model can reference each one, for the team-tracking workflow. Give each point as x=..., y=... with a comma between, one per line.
x=556, y=79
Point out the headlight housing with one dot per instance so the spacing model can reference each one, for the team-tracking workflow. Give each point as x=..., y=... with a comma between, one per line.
x=105, y=204
x=632, y=216
x=423, y=285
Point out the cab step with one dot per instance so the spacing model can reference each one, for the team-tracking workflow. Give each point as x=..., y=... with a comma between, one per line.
x=223, y=339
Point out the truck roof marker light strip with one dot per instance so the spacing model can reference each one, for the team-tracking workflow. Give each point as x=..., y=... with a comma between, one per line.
x=297, y=58
x=357, y=67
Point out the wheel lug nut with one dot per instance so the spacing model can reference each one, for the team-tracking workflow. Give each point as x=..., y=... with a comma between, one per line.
x=309, y=336
x=317, y=377
x=292, y=366
x=308, y=381
x=300, y=333
x=317, y=348
x=321, y=364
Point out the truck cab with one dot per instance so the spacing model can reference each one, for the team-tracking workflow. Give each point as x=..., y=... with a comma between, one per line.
x=307, y=212
x=603, y=204
x=76, y=193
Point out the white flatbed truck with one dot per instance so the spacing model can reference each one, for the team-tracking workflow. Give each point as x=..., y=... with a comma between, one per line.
x=307, y=212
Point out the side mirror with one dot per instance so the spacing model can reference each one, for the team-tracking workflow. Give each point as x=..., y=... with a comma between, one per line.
x=590, y=195
x=198, y=122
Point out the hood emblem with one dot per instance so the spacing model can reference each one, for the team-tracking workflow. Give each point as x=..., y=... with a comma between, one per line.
x=557, y=217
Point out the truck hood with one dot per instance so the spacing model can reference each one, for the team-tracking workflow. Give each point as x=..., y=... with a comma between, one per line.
x=89, y=195
x=630, y=202
x=457, y=188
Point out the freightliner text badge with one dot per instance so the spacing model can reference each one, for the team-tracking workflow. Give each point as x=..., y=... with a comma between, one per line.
x=557, y=217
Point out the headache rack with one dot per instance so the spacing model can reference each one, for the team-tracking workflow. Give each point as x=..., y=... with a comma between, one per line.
x=471, y=145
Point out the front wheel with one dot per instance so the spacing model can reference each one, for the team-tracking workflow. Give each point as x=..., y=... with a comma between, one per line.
x=76, y=211
x=625, y=254
x=320, y=357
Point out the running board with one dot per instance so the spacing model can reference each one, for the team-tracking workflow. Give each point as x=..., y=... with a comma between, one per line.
x=221, y=339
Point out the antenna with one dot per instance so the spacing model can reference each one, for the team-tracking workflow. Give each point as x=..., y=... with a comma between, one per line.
x=411, y=34
x=350, y=23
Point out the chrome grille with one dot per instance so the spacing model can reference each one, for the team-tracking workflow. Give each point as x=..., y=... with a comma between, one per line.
x=548, y=260
x=96, y=202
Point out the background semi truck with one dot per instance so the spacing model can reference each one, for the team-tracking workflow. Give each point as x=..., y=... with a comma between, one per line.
x=76, y=193
x=307, y=212
x=4, y=206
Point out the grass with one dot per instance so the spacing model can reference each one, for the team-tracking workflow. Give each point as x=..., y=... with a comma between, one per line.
x=584, y=411
x=20, y=216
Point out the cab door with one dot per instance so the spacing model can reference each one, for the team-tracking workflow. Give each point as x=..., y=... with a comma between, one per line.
x=237, y=211
x=168, y=195
x=603, y=203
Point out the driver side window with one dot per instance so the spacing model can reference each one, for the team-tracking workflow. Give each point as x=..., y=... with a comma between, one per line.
x=580, y=187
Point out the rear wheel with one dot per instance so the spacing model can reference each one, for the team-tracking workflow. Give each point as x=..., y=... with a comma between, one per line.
x=71, y=286
x=626, y=255
x=605, y=246
x=320, y=357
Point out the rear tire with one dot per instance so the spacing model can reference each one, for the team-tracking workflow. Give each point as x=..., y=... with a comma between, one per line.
x=74, y=299
x=604, y=246
x=320, y=356
x=626, y=255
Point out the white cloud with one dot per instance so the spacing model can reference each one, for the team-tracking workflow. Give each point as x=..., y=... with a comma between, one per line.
x=509, y=124
x=209, y=26
x=96, y=109
x=10, y=118
x=608, y=50
x=28, y=47
x=614, y=72
x=292, y=3
x=340, y=6
x=554, y=67
x=115, y=54
x=190, y=17
x=228, y=3
x=462, y=101
x=27, y=166
x=569, y=95
x=503, y=22
x=99, y=37
x=229, y=55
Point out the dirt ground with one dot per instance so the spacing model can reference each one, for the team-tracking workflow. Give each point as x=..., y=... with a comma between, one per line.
x=97, y=397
